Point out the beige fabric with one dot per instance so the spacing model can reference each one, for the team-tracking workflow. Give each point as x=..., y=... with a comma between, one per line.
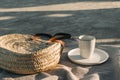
x=66, y=70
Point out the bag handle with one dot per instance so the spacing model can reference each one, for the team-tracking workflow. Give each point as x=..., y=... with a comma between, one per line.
x=55, y=38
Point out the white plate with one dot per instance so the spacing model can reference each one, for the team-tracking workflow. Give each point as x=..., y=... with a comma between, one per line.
x=99, y=57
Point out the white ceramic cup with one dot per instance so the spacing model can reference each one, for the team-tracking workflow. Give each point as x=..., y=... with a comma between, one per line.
x=87, y=45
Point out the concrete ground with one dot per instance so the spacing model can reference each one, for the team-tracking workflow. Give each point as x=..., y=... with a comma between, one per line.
x=100, y=18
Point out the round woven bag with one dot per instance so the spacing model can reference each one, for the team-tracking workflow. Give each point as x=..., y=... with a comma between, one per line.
x=20, y=54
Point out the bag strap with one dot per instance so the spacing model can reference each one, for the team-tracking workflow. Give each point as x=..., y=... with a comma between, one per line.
x=55, y=38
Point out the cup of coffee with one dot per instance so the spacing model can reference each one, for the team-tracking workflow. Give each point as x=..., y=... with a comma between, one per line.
x=86, y=45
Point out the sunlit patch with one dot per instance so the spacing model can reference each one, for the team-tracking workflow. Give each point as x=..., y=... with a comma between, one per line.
x=108, y=40
x=5, y=29
x=67, y=7
x=115, y=42
x=58, y=15
x=6, y=17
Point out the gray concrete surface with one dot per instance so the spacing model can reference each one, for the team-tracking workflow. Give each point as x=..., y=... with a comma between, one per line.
x=93, y=17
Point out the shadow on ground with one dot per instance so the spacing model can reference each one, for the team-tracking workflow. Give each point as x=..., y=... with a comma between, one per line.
x=102, y=23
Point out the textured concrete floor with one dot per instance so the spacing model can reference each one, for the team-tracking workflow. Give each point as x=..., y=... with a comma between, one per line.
x=93, y=17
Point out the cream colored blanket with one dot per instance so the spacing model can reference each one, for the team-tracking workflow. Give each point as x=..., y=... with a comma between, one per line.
x=68, y=70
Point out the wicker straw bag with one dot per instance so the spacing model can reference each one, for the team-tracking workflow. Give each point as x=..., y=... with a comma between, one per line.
x=20, y=54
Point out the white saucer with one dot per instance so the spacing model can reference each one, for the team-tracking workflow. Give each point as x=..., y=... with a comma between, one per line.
x=99, y=57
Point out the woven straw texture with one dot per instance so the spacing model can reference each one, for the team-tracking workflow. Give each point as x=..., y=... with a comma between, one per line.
x=20, y=54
